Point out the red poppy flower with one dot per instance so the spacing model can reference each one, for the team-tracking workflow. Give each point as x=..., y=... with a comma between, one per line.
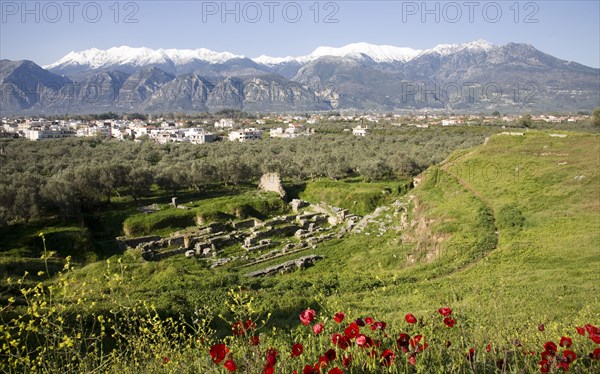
x=331, y=355
x=340, y=341
x=347, y=360
x=335, y=371
x=445, y=311
x=550, y=347
x=297, y=350
x=580, y=330
x=417, y=347
x=402, y=342
x=471, y=354
x=218, y=352
x=546, y=355
x=369, y=320
x=271, y=360
x=388, y=356
x=488, y=347
x=317, y=328
x=230, y=365
x=352, y=331
x=595, y=338
x=541, y=327
x=165, y=360
x=249, y=325
x=545, y=366
x=378, y=326
x=565, y=341
x=309, y=369
x=415, y=340
x=307, y=316
x=410, y=318
x=271, y=357
x=412, y=360
x=360, y=322
x=339, y=317
x=363, y=341
x=237, y=328
x=449, y=322
x=591, y=329
x=563, y=365
x=254, y=340
x=595, y=355
x=323, y=361
x=569, y=356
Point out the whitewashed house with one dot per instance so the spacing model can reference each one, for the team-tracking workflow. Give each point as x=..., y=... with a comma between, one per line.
x=52, y=132
x=245, y=135
x=292, y=131
x=225, y=123
x=360, y=131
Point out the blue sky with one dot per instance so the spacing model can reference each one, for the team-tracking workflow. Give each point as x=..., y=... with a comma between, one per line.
x=46, y=31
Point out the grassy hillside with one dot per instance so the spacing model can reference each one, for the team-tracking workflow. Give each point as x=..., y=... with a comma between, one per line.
x=553, y=256
x=549, y=258
x=506, y=233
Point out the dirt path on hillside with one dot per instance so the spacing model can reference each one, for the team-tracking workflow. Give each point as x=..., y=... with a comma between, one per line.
x=469, y=187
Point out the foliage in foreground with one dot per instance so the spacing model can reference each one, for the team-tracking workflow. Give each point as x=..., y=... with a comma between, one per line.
x=56, y=328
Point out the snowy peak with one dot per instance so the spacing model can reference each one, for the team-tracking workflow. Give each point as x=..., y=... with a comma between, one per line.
x=184, y=56
x=124, y=55
x=378, y=53
x=96, y=58
x=448, y=49
x=268, y=60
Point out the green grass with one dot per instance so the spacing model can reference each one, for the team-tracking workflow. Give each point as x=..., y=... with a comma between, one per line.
x=21, y=247
x=358, y=197
x=552, y=261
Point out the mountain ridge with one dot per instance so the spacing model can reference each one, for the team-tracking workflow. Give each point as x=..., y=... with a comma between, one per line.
x=139, y=56
x=474, y=76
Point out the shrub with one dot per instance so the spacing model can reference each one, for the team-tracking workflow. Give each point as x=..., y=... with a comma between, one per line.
x=510, y=217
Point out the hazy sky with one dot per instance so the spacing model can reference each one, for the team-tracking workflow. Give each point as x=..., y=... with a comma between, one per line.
x=44, y=31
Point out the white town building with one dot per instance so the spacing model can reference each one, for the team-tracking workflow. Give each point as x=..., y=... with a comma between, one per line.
x=245, y=135
x=292, y=131
x=48, y=133
x=360, y=131
x=225, y=123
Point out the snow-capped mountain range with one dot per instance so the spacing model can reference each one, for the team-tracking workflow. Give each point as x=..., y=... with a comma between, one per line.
x=96, y=58
x=358, y=76
x=378, y=53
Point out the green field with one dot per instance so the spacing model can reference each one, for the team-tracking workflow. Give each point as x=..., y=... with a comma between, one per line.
x=506, y=233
